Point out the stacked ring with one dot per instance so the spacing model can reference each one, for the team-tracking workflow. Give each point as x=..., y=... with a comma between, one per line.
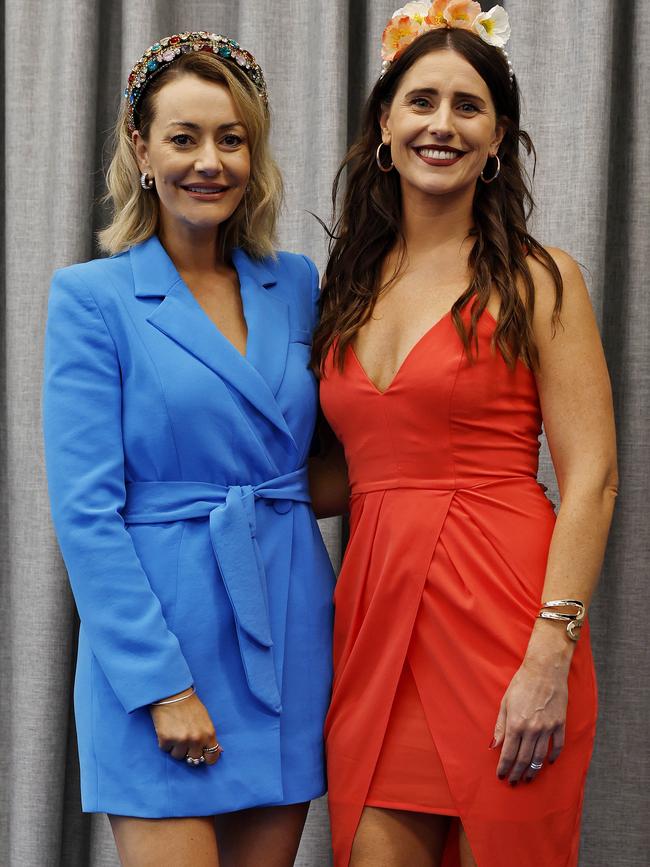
x=192, y=761
x=537, y=766
x=217, y=748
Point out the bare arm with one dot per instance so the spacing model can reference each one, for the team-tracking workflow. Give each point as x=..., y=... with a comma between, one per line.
x=575, y=396
x=328, y=475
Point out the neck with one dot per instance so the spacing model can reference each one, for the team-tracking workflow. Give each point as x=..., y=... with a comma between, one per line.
x=430, y=223
x=191, y=250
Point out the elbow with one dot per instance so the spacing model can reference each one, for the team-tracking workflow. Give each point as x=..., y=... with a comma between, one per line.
x=593, y=483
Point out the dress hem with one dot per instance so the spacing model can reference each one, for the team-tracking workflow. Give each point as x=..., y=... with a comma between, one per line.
x=411, y=808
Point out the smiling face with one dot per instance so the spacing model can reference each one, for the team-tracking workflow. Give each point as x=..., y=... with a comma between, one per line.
x=197, y=152
x=441, y=126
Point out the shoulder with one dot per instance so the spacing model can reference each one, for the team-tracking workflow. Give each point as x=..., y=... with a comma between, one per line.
x=93, y=279
x=577, y=322
x=298, y=279
x=575, y=295
x=294, y=265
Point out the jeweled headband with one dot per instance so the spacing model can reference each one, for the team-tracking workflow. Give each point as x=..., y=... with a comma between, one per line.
x=414, y=19
x=165, y=51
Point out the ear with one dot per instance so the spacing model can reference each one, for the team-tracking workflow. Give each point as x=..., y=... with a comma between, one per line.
x=384, y=123
x=141, y=150
x=499, y=133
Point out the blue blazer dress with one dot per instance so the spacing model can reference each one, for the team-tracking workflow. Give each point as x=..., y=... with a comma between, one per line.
x=177, y=479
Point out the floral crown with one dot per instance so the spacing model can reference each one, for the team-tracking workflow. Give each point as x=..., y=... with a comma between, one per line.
x=414, y=19
x=165, y=51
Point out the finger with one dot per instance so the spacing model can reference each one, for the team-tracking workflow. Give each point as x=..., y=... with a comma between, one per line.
x=179, y=750
x=558, y=744
x=539, y=757
x=211, y=758
x=524, y=758
x=194, y=755
x=509, y=753
x=500, y=727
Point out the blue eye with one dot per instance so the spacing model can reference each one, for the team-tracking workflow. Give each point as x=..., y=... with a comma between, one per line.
x=467, y=107
x=420, y=102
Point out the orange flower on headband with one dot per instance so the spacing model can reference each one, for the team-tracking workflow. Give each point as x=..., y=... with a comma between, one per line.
x=461, y=13
x=399, y=33
x=413, y=19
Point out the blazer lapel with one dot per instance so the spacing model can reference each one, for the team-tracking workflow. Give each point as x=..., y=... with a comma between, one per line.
x=180, y=317
x=267, y=317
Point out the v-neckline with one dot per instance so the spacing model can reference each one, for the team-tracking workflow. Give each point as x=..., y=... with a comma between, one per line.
x=245, y=355
x=432, y=328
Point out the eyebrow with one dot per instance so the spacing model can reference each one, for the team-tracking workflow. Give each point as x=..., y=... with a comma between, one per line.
x=188, y=124
x=431, y=91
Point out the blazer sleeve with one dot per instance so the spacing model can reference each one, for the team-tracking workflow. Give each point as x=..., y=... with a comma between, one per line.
x=82, y=397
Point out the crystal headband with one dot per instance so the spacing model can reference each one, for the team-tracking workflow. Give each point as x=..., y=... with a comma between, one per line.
x=414, y=19
x=165, y=51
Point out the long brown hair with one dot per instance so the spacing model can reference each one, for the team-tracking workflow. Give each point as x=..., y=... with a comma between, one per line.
x=369, y=224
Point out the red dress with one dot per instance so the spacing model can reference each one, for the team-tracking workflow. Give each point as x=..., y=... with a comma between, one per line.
x=438, y=594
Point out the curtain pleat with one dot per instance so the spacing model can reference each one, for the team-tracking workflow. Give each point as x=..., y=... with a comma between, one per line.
x=583, y=70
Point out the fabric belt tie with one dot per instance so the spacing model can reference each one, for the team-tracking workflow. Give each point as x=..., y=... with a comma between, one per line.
x=231, y=512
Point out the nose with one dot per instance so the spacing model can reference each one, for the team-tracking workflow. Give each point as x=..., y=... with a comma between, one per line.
x=441, y=121
x=208, y=159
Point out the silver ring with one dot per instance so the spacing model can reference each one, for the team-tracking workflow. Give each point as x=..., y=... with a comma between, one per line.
x=215, y=749
x=537, y=766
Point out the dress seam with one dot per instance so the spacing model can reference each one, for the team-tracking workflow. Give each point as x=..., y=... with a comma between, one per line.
x=452, y=456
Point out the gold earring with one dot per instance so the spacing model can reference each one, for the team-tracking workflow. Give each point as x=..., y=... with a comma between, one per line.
x=495, y=175
x=382, y=168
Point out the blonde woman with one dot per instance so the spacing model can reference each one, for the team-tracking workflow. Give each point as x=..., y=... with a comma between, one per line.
x=178, y=413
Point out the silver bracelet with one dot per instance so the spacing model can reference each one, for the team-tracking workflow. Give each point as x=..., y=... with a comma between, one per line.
x=573, y=621
x=174, y=700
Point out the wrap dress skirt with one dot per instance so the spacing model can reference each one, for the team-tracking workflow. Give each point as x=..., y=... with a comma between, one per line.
x=176, y=471
x=439, y=590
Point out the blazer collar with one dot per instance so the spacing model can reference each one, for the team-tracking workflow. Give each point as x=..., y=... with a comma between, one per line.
x=257, y=376
x=154, y=273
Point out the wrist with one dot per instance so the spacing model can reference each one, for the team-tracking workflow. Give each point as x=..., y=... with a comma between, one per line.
x=179, y=696
x=550, y=645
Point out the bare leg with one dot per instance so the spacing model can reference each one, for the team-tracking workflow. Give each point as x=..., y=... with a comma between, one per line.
x=466, y=857
x=261, y=835
x=187, y=842
x=399, y=838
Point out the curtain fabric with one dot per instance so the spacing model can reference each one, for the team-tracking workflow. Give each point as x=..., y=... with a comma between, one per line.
x=582, y=70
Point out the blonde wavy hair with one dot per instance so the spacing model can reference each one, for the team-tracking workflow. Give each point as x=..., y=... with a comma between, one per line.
x=136, y=211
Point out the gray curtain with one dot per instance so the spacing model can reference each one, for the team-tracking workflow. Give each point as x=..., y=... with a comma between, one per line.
x=583, y=68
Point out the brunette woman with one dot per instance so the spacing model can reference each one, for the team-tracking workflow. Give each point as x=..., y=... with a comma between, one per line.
x=463, y=710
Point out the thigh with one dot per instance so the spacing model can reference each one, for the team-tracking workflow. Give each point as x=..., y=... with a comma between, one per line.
x=187, y=842
x=466, y=857
x=399, y=838
x=261, y=835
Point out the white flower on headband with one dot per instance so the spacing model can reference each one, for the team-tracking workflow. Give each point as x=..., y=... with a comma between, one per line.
x=417, y=11
x=493, y=27
x=413, y=19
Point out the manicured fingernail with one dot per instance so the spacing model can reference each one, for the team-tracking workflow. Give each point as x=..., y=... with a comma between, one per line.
x=493, y=744
x=501, y=776
x=529, y=779
x=551, y=761
x=513, y=783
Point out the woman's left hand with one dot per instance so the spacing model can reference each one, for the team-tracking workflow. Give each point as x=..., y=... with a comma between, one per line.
x=533, y=710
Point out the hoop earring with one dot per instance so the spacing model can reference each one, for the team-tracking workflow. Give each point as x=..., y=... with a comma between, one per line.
x=378, y=160
x=146, y=182
x=495, y=175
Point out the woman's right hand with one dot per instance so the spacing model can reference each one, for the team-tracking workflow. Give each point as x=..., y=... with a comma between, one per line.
x=184, y=728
